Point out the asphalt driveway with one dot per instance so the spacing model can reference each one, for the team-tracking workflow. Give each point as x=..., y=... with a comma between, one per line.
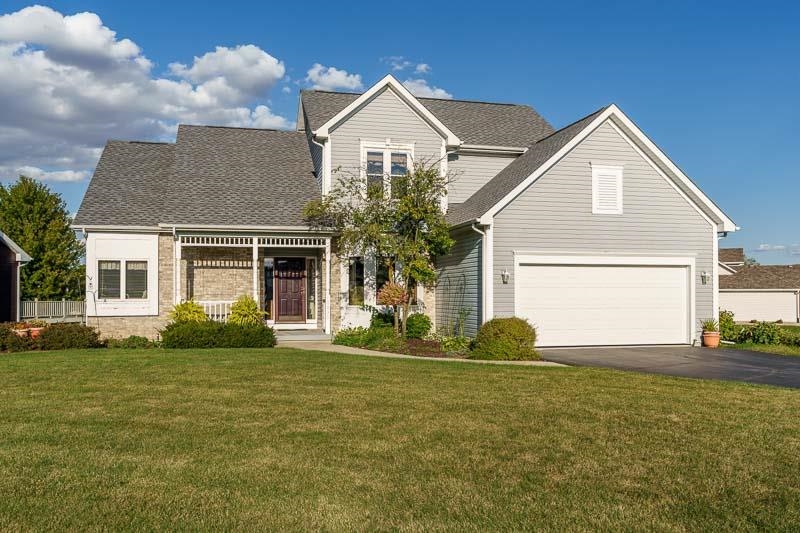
x=685, y=361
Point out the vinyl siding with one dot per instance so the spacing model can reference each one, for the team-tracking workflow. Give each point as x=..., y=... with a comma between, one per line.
x=555, y=215
x=459, y=285
x=468, y=173
x=383, y=117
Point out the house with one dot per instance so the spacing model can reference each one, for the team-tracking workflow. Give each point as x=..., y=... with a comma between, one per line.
x=12, y=257
x=590, y=231
x=730, y=260
x=762, y=292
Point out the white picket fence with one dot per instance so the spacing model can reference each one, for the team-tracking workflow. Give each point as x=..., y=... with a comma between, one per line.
x=53, y=310
x=217, y=310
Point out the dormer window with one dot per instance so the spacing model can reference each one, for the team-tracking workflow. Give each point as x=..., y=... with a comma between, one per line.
x=384, y=163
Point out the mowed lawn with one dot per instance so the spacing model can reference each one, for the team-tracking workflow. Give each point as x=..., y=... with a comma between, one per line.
x=287, y=439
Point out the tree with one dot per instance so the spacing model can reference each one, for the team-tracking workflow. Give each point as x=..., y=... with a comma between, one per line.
x=37, y=219
x=402, y=224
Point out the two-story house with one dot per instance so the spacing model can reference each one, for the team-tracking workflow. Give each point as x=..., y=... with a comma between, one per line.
x=590, y=232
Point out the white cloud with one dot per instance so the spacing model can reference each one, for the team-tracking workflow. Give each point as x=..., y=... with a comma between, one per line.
x=769, y=248
x=58, y=175
x=69, y=84
x=422, y=68
x=331, y=78
x=420, y=87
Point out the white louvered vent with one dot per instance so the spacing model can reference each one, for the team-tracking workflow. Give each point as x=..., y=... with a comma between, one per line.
x=606, y=190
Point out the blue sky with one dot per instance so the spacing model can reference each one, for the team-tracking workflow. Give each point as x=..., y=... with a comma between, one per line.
x=715, y=84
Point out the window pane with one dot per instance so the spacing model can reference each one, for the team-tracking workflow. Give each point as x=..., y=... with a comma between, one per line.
x=135, y=280
x=375, y=163
x=399, y=164
x=356, y=285
x=108, y=274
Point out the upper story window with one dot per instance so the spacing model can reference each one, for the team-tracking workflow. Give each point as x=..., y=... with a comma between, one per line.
x=384, y=164
x=606, y=190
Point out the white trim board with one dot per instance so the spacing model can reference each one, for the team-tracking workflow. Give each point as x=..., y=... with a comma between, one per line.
x=726, y=224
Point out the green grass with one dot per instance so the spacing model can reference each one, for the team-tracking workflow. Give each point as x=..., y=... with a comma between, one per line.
x=779, y=349
x=286, y=439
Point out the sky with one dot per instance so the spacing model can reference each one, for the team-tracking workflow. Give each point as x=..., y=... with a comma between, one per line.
x=715, y=84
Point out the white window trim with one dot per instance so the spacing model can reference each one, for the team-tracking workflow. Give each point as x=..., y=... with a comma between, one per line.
x=123, y=265
x=597, y=170
x=387, y=148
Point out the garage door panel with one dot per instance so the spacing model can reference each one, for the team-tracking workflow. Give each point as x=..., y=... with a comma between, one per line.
x=574, y=305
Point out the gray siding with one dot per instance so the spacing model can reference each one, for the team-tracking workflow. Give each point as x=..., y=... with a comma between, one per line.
x=555, y=214
x=383, y=117
x=316, y=157
x=468, y=173
x=459, y=285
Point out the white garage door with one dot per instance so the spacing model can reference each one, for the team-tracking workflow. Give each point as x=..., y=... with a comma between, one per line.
x=595, y=305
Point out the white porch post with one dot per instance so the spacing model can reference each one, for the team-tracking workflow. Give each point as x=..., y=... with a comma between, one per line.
x=328, y=294
x=177, y=271
x=255, y=269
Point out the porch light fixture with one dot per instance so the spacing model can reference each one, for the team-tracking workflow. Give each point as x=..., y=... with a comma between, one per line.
x=704, y=277
x=505, y=275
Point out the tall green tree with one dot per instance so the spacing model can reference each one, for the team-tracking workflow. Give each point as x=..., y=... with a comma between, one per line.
x=37, y=219
x=401, y=223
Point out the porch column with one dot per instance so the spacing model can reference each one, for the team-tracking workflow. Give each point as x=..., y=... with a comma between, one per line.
x=255, y=269
x=177, y=271
x=327, y=274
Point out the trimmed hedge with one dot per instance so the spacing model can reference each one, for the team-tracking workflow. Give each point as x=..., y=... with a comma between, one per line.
x=506, y=339
x=418, y=326
x=216, y=335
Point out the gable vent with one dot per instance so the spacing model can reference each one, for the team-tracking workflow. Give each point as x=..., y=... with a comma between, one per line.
x=606, y=190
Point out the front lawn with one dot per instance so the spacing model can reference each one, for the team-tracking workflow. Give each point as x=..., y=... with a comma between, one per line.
x=286, y=439
x=780, y=349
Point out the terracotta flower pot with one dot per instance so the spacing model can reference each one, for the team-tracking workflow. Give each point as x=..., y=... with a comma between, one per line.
x=711, y=339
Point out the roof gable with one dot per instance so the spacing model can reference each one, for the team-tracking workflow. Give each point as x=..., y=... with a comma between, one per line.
x=391, y=83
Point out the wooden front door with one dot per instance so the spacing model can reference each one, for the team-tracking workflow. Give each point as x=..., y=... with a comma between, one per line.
x=290, y=285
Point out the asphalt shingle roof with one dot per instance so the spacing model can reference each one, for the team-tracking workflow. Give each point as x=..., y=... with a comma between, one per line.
x=510, y=177
x=731, y=255
x=129, y=185
x=481, y=123
x=210, y=176
x=763, y=277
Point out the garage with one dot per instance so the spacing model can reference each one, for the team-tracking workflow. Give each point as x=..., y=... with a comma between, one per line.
x=580, y=301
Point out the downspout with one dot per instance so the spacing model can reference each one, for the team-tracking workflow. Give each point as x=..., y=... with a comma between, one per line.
x=483, y=271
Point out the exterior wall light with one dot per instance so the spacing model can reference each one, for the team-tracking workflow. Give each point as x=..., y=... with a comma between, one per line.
x=505, y=275
x=704, y=277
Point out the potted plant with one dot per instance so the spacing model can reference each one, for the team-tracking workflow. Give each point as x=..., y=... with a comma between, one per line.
x=710, y=333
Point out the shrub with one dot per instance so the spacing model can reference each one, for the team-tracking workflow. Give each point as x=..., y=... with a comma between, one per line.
x=245, y=312
x=728, y=329
x=134, y=342
x=69, y=337
x=511, y=339
x=189, y=311
x=216, y=335
x=417, y=326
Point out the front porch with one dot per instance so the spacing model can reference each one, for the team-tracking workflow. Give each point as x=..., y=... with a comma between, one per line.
x=287, y=275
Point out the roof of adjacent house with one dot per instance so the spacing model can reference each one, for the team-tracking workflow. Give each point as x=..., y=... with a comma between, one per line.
x=731, y=255
x=515, y=173
x=22, y=255
x=478, y=123
x=763, y=277
x=209, y=176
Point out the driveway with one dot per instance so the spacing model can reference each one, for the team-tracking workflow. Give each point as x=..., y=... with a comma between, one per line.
x=685, y=361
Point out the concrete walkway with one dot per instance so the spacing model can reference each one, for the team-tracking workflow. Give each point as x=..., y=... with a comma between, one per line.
x=322, y=346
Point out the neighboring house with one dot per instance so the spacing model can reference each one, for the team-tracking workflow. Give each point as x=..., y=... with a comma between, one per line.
x=762, y=292
x=12, y=257
x=590, y=232
x=730, y=260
